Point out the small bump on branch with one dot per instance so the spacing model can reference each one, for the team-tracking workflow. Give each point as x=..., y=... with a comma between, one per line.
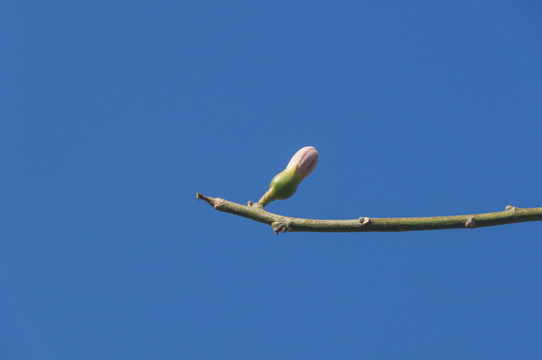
x=470, y=222
x=280, y=227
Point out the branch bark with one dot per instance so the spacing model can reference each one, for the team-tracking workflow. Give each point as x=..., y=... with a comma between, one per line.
x=281, y=223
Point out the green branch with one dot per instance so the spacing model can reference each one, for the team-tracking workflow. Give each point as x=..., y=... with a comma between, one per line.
x=281, y=223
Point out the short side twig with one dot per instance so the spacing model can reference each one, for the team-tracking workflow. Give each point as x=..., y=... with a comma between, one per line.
x=281, y=223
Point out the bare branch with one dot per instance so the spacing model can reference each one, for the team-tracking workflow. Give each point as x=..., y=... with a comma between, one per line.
x=281, y=223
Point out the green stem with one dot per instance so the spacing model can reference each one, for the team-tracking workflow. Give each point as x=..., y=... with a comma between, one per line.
x=266, y=198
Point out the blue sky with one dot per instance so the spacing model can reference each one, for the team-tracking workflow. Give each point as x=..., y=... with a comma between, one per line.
x=114, y=114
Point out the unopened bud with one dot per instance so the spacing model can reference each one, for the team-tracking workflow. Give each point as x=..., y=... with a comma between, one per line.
x=286, y=182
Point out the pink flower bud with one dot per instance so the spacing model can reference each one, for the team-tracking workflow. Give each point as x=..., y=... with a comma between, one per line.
x=285, y=183
x=304, y=161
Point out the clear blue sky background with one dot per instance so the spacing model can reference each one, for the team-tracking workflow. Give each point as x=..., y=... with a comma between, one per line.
x=114, y=114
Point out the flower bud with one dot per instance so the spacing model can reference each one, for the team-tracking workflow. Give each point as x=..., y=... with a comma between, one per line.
x=286, y=182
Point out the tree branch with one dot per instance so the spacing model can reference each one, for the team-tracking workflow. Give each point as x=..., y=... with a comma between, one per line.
x=281, y=223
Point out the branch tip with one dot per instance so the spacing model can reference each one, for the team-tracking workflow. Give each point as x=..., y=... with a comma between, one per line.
x=205, y=198
x=217, y=203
